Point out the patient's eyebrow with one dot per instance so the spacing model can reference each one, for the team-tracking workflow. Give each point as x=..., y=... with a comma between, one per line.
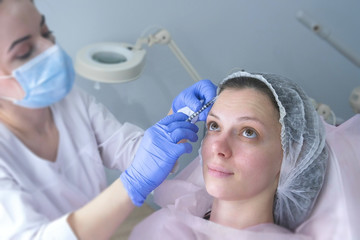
x=213, y=115
x=244, y=118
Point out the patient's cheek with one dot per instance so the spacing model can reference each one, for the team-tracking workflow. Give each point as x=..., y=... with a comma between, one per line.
x=205, y=149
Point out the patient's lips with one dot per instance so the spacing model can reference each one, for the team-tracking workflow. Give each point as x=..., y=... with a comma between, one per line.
x=218, y=171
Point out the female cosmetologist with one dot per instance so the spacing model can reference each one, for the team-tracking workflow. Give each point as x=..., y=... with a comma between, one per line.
x=55, y=140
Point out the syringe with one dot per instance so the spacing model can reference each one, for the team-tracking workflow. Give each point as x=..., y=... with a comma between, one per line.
x=195, y=114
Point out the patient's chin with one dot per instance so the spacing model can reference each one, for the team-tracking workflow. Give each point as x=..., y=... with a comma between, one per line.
x=221, y=192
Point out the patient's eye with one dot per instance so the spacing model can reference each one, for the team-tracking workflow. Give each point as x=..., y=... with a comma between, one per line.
x=213, y=126
x=249, y=133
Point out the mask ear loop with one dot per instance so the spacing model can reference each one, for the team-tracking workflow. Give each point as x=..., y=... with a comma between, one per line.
x=13, y=100
x=10, y=99
x=6, y=77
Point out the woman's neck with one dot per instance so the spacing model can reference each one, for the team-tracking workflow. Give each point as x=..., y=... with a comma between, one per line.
x=35, y=128
x=242, y=214
x=23, y=120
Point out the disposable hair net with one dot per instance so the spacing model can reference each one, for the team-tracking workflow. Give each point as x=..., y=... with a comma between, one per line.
x=305, y=155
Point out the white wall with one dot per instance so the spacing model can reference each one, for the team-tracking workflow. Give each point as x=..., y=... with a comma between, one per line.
x=216, y=36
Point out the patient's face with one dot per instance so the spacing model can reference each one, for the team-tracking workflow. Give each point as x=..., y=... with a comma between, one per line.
x=242, y=151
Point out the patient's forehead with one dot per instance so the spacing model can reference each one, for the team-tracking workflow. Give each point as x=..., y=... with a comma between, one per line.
x=245, y=99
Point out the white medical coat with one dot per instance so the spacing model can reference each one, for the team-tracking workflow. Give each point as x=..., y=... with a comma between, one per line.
x=37, y=195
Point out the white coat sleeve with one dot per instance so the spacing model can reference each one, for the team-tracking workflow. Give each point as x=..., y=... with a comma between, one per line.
x=20, y=219
x=117, y=142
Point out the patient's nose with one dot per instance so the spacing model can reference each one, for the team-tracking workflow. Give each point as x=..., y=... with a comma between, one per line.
x=221, y=148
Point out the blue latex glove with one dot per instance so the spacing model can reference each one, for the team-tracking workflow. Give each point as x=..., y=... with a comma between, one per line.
x=195, y=97
x=157, y=154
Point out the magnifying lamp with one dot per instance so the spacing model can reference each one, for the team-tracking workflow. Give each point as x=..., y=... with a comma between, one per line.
x=112, y=62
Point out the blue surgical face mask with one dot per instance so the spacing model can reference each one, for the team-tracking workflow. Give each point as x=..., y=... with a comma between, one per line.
x=46, y=79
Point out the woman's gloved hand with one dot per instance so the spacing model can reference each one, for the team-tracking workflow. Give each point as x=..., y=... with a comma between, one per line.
x=195, y=96
x=157, y=154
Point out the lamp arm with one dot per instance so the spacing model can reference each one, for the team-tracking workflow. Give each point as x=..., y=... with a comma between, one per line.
x=140, y=42
x=326, y=35
x=164, y=37
x=183, y=60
